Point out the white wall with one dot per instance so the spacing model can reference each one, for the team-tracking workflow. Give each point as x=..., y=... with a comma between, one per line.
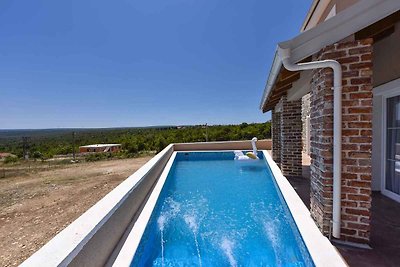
x=377, y=155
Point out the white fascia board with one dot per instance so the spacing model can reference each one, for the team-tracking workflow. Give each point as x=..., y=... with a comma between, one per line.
x=344, y=24
x=273, y=74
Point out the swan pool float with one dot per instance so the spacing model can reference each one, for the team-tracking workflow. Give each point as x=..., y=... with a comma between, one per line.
x=249, y=155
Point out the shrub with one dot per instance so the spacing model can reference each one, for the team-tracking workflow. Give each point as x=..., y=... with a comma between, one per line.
x=10, y=159
x=37, y=155
x=96, y=157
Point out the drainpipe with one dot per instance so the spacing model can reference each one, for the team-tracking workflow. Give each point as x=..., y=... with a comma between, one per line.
x=284, y=54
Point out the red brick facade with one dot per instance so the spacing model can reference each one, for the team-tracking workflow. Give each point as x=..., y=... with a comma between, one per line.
x=276, y=136
x=291, y=138
x=356, y=60
x=287, y=137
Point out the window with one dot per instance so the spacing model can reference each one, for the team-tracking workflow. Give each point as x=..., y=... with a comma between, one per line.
x=392, y=171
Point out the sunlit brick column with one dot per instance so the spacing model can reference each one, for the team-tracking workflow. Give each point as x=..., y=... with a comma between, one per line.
x=291, y=137
x=276, y=136
x=356, y=60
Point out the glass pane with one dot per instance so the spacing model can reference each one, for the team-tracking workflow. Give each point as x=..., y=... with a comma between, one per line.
x=393, y=144
x=393, y=112
x=392, y=178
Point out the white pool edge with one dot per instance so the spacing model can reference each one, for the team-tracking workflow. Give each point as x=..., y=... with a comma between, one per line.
x=132, y=242
x=322, y=252
x=64, y=247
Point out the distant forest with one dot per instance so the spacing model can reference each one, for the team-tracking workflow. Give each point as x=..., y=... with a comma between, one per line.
x=50, y=142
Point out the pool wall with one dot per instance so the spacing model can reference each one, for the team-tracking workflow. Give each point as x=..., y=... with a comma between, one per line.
x=233, y=145
x=97, y=236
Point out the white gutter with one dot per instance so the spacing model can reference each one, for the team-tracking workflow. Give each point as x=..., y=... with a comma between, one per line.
x=351, y=20
x=284, y=54
x=273, y=75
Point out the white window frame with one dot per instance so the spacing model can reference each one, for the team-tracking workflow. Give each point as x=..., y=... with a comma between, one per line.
x=387, y=90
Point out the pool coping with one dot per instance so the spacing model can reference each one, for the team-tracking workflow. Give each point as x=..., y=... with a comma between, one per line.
x=322, y=252
x=128, y=250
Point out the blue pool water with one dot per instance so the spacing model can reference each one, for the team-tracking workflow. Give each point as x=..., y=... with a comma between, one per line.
x=214, y=211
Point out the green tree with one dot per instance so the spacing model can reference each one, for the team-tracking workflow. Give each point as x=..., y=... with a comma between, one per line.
x=160, y=143
x=37, y=155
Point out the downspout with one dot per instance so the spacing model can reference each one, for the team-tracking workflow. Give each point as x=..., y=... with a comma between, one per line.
x=284, y=54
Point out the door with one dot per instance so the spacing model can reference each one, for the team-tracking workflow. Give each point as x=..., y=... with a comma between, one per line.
x=392, y=157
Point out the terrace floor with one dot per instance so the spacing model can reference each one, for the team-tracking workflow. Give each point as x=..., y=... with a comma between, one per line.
x=385, y=227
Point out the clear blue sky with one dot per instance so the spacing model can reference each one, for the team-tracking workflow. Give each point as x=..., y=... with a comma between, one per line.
x=97, y=63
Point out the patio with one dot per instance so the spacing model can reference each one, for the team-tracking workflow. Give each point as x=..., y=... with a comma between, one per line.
x=385, y=227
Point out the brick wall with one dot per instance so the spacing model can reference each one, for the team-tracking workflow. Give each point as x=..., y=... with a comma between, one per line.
x=356, y=60
x=276, y=136
x=291, y=138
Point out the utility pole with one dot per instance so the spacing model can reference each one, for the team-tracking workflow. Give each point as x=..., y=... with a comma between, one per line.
x=73, y=145
x=25, y=146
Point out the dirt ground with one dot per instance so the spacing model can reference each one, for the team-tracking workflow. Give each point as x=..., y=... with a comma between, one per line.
x=38, y=203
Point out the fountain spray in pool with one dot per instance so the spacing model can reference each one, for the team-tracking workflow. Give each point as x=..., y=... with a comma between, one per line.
x=264, y=215
x=161, y=224
x=190, y=220
x=171, y=210
x=273, y=236
x=227, y=248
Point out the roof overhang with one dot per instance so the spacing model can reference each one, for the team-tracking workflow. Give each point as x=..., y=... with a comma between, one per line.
x=314, y=13
x=344, y=24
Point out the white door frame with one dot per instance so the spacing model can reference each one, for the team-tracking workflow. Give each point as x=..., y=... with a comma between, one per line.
x=386, y=91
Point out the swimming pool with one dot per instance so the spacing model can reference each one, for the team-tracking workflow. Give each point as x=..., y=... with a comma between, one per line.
x=110, y=232
x=214, y=211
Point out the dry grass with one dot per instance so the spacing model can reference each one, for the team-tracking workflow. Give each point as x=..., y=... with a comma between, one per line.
x=38, y=202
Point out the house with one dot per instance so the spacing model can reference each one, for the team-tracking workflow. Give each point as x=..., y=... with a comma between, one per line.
x=353, y=98
x=100, y=148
